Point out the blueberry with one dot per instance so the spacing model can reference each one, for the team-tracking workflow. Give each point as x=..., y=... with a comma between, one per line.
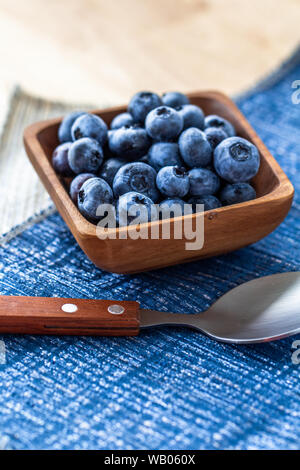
x=236, y=160
x=174, y=99
x=236, y=193
x=203, y=182
x=192, y=115
x=60, y=160
x=64, y=130
x=76, y=184
x=128, y=210
x=142, y=103
x=195, y=148
x=210, y=202
x=164, y=154
x=93, y=193
x=123, y=119
x=138, y=177
x=163, y=123
x=85, y=156
x=129, y=143
x=215, y=135
x=90, y=125
x=110, y=168
x=171, y=207
x=213, y=120
x=173, y=181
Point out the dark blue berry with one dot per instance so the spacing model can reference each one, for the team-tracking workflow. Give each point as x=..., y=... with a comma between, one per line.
x=76, y=184
x=215, y=135
x=236, y=160
x=163, y=123
x=174, y=99
x=85, y=156
x=213, y=120
x=90, y=125
x=64, y=130
x=93, y=193
x=194, y=148
x=110, y=168
x=138, y=177
x=60, y=160
x=192, y=115
x=123, y=119
x=203, y=182
x=173, y=181
x=164, y=154
x=171, y=207
x=130, y=143
x=236, y=193
x=210, y=202
x=134, y=204
x=142, y=103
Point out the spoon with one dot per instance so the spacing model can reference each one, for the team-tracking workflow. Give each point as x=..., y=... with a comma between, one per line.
x=264, y=309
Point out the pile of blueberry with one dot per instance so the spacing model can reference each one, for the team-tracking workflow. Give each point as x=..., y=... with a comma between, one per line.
x=162, y=151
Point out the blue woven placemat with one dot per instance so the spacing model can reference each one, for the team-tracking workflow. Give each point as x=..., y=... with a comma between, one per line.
x=166, y=389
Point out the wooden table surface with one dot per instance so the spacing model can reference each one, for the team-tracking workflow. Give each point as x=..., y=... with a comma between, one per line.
x=103, y=51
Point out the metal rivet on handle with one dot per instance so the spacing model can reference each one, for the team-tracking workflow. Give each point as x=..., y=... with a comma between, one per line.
x=69, y=308
x=116, y=309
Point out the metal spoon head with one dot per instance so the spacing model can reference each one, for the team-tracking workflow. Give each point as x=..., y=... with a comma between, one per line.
x=264, y=309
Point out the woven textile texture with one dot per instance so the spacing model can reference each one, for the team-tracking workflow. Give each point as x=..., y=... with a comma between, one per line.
x=22, y=195
x=167, y=388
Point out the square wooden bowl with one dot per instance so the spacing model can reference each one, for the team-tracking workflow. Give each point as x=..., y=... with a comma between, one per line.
x=225, y=229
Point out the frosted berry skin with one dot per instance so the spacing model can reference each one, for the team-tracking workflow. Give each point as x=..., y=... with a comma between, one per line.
x=192, y=115
x=93, y=193
x=194, y=148
x=165, y=208
x=85, y=156
x=76, y=184
x=142, y=103
x=64, y=130
x=127, y=209
x=173, y=181
x=213, y=120
x=163, y=123
x=215, y=135
x=236, y=160
x=210, y=202
x=138, y=177
x=130, y=143
x=236, y=193
x=121, y=120
x=203, y=182
x=163, y=154
x=161, y=150
x=174, y=99
x=90, y=125
x=106, y=151
x=109, y=169
x=60, y=160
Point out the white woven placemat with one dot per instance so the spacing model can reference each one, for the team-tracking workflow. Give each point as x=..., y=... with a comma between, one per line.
x=23, y=199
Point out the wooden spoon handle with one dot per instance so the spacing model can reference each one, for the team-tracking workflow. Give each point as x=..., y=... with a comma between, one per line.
x=58, y=316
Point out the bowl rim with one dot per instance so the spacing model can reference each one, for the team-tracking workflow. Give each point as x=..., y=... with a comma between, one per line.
x=282, y=190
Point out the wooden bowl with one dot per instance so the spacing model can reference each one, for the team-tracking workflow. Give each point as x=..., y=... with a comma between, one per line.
x=225, y=229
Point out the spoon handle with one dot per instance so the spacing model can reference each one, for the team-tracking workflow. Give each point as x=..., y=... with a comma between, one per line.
x=60, y=316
